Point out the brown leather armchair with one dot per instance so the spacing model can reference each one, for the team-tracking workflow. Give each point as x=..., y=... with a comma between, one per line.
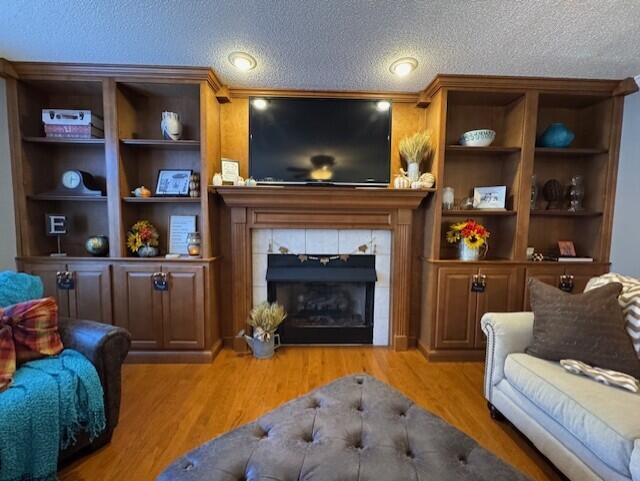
x=106, y=347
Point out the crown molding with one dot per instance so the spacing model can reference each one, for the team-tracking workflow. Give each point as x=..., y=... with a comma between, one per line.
x=6, y=69
x=398, y=97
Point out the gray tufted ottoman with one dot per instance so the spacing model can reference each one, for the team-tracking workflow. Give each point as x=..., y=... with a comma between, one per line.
x=354, y=429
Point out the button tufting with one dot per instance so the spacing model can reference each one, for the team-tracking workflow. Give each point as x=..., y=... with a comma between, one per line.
x=358, y=445
x=410, y=454
x=403, y=414
x=308, y=438
x=188, y=466
x=359, y=408
x=462, y=459
x=359, y=380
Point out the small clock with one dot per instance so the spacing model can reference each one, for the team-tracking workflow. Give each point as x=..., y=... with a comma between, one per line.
x=77, y=182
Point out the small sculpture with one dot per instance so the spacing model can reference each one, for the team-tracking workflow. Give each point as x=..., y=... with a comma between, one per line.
x=217, y=179
x=97, y=245
x=401, y=181
x=141, y=191
x=427, y=180
x=250, y=182
x=553, y=194
x=557, y=135
x=171, y=126
x=575, y=192
x=240, y=182
x=194, y=185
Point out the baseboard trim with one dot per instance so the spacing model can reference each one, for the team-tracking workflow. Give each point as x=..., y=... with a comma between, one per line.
x=451, y=355
x=173, y=357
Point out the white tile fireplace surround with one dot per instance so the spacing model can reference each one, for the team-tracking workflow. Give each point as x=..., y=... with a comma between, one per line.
x=330, y=242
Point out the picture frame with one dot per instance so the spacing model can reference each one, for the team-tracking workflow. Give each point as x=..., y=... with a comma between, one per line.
x=566, y=248
x=493, y=197
x=179, y=227
x=230, y=170
x=173, y=182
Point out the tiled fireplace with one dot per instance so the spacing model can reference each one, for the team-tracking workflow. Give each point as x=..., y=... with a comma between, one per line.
x=333, y=283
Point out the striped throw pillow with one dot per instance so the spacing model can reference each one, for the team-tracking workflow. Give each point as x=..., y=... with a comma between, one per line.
x=629, y=301
x=604, y=376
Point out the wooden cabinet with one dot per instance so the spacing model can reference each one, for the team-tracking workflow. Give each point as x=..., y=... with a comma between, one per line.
x=572, y=278
x=465, y=294
x=89, y=295
x=173, y=318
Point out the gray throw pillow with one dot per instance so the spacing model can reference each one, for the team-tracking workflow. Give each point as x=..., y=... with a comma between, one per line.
x=589, y=327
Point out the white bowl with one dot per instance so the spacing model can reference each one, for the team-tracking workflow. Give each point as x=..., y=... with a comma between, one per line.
x=478, y=138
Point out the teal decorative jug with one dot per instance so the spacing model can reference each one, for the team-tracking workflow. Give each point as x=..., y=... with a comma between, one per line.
x=557, y=135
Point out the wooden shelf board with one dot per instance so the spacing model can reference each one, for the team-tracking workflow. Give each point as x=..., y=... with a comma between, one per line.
x=157, y=200
x=569, y=152
x=477, y=213
x=74, y=198
x=163, y=144
x=63, y=140
x=565, y=213
x=490, y=150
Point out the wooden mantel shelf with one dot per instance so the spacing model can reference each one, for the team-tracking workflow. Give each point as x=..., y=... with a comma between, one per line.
x=300, y=197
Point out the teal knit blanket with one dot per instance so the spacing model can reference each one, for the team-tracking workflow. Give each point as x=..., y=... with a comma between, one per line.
x=50, y=401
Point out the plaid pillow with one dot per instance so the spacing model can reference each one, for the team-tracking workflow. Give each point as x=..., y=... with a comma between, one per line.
x=28, y=330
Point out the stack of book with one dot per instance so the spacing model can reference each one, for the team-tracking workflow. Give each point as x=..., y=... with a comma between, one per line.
x=72, y=124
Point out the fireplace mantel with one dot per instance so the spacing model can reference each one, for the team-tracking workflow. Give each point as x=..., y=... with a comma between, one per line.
x=322, y=207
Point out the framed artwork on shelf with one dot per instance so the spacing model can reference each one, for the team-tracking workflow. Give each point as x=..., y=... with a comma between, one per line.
x=490, y=197
x=566, y=248
x=173, y=183
x=180, y=226
x=230, y=170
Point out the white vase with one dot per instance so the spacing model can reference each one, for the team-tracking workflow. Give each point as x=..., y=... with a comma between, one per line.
x=466, y=253
x=171, y=126
x=413, y=171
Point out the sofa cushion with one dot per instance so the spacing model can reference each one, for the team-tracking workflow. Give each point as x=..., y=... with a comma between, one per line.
x=589, y=327
x=604, y=419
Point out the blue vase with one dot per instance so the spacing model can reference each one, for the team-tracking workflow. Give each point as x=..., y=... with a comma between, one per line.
x=557, y=135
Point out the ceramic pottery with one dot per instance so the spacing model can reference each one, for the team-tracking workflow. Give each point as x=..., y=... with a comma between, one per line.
x=97, y=245
x=171, y=126
x=148, y=251
x=217, y=179
x=557, y=135
x=478, y=138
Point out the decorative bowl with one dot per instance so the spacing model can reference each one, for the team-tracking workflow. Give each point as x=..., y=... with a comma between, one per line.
x=478, y=138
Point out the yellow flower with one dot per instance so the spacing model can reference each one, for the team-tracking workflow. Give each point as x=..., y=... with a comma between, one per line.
x=459, y=226
x=474, y=242
x=453, y=236
x=134, y=242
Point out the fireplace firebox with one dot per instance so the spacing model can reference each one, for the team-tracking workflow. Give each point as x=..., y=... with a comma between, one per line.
x=328, y=302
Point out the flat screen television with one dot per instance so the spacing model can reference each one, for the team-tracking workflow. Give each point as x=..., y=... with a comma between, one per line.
x=319, y=141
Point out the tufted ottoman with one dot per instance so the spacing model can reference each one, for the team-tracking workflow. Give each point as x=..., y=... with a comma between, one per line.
x=354, y=429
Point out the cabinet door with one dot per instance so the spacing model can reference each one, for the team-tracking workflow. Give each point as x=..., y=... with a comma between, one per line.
x=549, y=274
x=455, y=308
x=138, y=306
x=183, y=307
x=90, y=297
x=502, y=293
x=47, y=271
x=582, y=274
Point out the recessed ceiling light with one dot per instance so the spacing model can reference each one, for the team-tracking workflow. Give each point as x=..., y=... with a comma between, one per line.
x=403, y=66
x=242, y=61
x=383, y=105
x=260, y=104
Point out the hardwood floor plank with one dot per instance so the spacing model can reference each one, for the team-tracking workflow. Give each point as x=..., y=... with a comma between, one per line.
x=168, y=410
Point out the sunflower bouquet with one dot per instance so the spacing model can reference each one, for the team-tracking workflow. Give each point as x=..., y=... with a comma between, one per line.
x=474, y=235
x=142, y=234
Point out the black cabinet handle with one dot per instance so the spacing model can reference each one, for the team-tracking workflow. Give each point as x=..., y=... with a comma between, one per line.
x=160, y=281
x=478, y=283
x=65, y=280
x=566, y=283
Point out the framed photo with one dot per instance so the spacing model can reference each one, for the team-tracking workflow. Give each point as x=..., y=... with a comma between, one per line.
x=180, y=226
x=230, y=170
x=490, y=197
x=173, y=182
x=566, y=248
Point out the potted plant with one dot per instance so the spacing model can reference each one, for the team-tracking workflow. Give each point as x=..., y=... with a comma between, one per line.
x=414, y=149
x=265, y=319
x=471, y=237
x=142, y=239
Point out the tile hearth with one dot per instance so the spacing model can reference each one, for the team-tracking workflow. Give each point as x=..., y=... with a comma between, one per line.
x=328, y=242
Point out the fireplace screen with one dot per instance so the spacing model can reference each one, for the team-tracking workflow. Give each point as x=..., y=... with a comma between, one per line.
x=325, y=304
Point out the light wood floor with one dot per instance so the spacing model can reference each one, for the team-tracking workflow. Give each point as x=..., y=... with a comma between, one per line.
x=169, y=409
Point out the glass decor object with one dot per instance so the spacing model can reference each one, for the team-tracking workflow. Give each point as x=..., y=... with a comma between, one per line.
x=576, y=193
x=557, y=136
x=193, y=244
x=448, y=198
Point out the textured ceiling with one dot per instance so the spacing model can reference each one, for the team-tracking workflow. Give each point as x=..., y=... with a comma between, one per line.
x=332, y=44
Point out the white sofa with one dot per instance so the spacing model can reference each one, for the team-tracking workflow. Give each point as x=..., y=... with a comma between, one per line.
x=588, y=430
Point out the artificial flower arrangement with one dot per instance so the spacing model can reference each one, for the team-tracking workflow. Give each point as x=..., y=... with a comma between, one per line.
x=265, y=319
x=142, y=239
x=474, y=235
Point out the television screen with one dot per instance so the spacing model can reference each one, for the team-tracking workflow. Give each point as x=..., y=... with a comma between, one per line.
x=319, y=140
